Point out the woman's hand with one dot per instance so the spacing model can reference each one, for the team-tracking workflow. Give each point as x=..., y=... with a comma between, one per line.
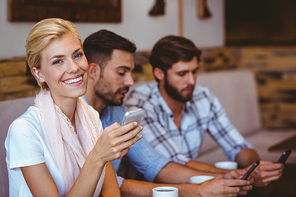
x=115, y=141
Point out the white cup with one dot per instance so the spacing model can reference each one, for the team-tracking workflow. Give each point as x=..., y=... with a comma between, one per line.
x=226, y=164
x=200, y=179
x=165, y=191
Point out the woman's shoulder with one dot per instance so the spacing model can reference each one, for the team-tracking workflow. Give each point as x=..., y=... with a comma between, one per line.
x=30, y=119
x=32, y=113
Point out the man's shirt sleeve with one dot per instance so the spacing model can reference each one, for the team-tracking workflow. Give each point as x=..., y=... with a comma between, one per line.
x=141, y=155
x=146, y=159
x=223, y=131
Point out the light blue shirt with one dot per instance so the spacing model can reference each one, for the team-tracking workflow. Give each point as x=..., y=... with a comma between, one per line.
x=147, y=160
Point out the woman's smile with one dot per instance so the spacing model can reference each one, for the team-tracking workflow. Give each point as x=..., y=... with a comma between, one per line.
x=75, y=81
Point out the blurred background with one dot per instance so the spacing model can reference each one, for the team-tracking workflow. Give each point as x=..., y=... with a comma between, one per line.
x=245, y=34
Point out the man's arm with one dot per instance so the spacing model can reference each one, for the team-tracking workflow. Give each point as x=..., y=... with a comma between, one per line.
x=246, y=157
x=205, y=167
x=224, y=133
x=215, y=187
x=184, y=172
x=243, y=154
x=162, y=170
x=265, y=173
x=137, y=188
x=178, y=173
x=110, y=186
x=143, y=189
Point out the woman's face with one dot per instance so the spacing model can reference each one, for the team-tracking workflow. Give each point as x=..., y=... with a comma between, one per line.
x=64, y=68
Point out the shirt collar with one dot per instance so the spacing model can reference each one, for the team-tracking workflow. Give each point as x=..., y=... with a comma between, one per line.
x=83, y=96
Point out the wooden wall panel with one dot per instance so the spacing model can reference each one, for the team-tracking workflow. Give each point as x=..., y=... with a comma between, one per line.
x=274, y=68
x=16, y=80
x=73, y=10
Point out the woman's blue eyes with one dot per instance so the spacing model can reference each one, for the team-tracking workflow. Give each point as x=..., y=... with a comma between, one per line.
x=57, y=62
x=78, y=55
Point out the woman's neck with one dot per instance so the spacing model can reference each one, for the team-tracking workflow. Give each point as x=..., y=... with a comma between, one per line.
x=68, y=107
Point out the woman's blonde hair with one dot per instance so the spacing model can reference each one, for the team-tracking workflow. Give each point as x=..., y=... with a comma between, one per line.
x=41, y=35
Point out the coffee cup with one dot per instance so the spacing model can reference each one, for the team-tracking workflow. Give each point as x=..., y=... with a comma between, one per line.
x=226, y=164
x=165, y=191
x=200, y=179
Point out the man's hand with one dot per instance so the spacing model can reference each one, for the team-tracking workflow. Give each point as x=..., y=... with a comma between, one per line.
x=266, y=172
x=234, y=174
x=238, y=174
x=224, y=187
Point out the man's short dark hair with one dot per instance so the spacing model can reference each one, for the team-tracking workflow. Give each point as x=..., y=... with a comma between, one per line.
x=98, y=47
x=172, y=49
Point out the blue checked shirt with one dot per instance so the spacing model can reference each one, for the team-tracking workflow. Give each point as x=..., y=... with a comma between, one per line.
x=202, y=114
x=146, y=160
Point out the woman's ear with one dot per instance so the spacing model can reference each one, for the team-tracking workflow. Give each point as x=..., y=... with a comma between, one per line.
x=94, y=71
x=38, y=74
x=158, y=73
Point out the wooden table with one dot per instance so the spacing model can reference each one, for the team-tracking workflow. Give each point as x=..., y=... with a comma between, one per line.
x=289, y=143
x=284, y=187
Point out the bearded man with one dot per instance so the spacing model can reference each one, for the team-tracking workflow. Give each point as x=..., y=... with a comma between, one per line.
x=178, y=113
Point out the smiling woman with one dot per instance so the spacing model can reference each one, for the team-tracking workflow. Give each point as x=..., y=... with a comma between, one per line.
x=64, y=67
x=58, y=147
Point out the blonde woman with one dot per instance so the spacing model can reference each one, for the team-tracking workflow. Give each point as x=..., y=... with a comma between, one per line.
x=57, y=147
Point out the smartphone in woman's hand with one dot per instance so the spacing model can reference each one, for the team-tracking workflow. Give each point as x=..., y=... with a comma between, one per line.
x=131, y=116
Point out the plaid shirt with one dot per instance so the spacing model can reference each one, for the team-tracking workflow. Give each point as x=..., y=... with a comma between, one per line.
x=203, y=113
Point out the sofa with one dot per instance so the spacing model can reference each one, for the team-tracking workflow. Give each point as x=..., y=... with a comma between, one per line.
x=236, y=90
x=9, y=111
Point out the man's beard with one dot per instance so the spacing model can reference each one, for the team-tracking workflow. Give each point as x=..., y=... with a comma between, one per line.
x=173, y=92
x=108, y=95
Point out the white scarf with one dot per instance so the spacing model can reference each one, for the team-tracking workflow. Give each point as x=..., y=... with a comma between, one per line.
x=70, y=149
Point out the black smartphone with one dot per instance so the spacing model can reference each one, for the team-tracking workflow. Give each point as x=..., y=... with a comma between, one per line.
x=250, y=170
x=284, y=156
